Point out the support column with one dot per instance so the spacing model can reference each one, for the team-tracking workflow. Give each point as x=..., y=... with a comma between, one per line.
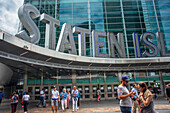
x=33, y=93
x=41, y=81
x=49, y=92
x=74, y=77
x=161, y=84
x=57, y=72
x=134, y=76
x=91, y=88
x=147, y=74
x=25, y=80
x=119, y=77
x=105, y=87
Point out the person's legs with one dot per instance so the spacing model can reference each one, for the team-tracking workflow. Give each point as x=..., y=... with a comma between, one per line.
x=25, y=106
x=12, y=108
x=52, y=105
x=76, y=100
x=135, y=106
x=68, y=102
x=98, y=98
x=41, y=99
x=62, y=104
x=73, y=103
x=65, y=103
x=15, y=107
x=56, y=105
x=0, y=101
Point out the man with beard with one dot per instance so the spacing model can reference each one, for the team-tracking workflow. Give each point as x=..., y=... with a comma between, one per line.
x=124, y=95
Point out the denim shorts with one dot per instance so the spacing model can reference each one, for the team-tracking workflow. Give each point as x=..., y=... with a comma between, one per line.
x=54, y=101
x=125, y=109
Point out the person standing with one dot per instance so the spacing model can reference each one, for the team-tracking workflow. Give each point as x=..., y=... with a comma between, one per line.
x=1, y=96
x=14, y=102
x=134, y=99
x=64, y=99
x=145, y=99
x=25, y=99
x=79, y=97
x=54, y=99
x=124, y=95
x=42, y=98
x=98, y=94
x=68, y=98
x=155, y=89
x=74, y=98
x=167, y=92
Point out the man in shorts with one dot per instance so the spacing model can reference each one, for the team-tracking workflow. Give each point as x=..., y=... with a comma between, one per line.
x=54, y=99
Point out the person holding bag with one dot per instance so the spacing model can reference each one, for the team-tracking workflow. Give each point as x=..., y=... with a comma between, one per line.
x=145, y=99
x=25, y=99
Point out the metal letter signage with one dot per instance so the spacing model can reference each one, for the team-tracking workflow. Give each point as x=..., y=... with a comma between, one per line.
x=82, y=34
x=26, y=13
x=136, y=43
x=144, y=40
x=50, y=34
x=161, y=44
x=116, y=46
x=66, y=41
x=98, y=44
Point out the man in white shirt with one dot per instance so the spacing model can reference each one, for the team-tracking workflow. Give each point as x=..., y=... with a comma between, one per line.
x=54, y=99
x=74, y=94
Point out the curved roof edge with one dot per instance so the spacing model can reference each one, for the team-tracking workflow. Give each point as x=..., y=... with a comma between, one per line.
x=75, y=58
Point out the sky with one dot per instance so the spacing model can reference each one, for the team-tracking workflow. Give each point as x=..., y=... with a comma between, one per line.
x=9, y=20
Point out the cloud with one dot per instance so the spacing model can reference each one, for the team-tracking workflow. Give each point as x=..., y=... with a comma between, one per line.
x=9, y=20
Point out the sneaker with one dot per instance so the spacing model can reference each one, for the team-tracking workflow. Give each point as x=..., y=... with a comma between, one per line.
x=77, y=107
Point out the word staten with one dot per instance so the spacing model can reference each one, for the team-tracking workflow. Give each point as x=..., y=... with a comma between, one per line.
x=27, y=12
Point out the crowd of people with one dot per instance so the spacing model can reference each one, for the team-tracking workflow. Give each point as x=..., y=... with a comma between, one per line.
x=129, y=101
x=60, y=99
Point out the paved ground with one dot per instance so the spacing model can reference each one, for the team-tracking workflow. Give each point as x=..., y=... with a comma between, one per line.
x=105, y=106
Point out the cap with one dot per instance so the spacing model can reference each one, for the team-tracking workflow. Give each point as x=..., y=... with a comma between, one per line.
x=125, y=78
x=54, y=87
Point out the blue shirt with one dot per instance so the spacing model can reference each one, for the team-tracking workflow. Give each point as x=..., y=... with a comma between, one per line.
x=43, y=94
x=64, y=95
x=134, y=90
x=79, y=96
x=74, y=93
x=1, y=95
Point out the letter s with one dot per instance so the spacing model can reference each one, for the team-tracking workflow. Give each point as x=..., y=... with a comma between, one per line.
x=26, y=13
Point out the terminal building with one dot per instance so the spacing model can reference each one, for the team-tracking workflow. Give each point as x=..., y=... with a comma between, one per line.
x=33, y=66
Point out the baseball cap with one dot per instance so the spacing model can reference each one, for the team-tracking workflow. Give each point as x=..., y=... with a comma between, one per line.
x=125, y=78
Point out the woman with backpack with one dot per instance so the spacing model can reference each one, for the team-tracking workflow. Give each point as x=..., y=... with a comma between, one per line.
x=14, y=102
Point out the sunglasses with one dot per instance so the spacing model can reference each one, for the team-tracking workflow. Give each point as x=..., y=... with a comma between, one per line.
x=126, y=81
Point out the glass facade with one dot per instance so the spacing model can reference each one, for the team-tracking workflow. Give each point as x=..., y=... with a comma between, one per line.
x=126, y=16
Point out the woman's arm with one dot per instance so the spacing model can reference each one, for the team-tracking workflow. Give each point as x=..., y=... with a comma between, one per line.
x=147, y=101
